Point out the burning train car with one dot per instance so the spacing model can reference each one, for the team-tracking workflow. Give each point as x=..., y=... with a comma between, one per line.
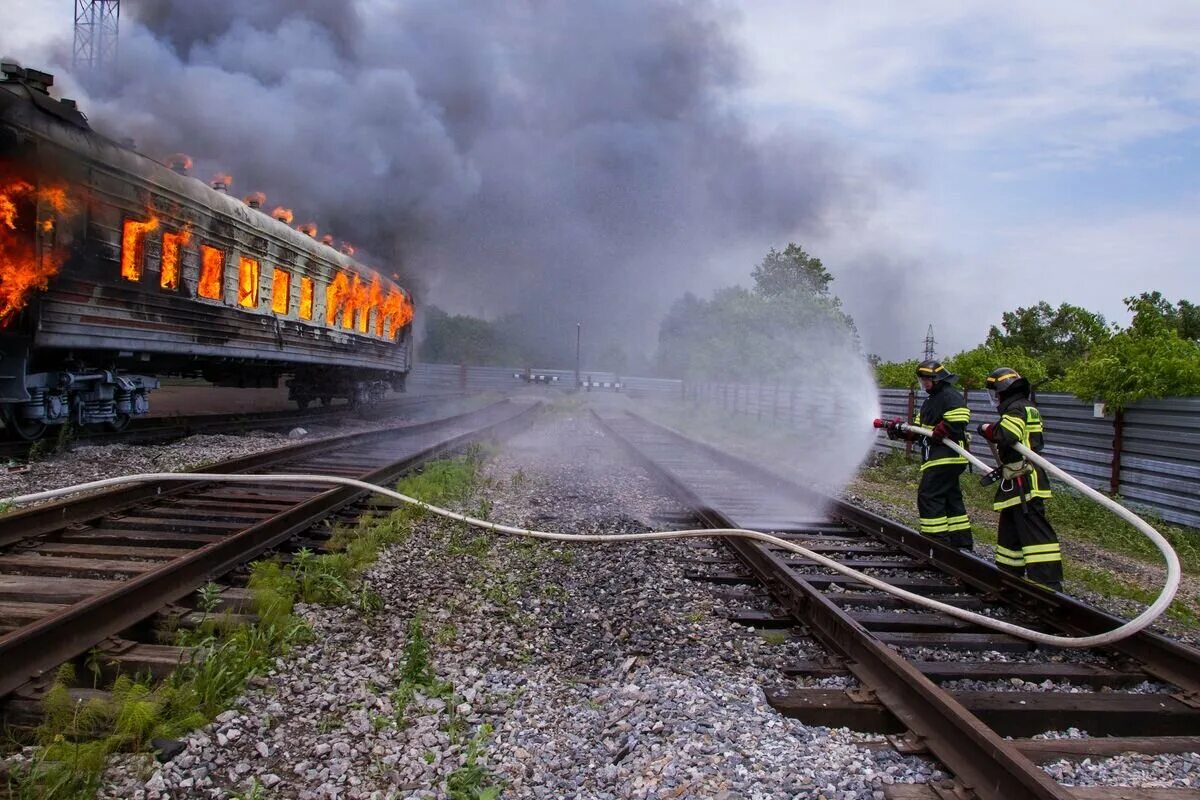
x=115, y=269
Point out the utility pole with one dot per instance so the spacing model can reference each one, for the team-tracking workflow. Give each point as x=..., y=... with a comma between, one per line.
x=578, y=335
x=97, y=23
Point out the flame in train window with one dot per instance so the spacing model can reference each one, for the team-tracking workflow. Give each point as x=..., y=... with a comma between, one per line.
x=306, y=298
x=172, y=255
x=248, y=274
x=336, y=296
x=398, y=313
x=212, y=273
x=133, y=246
x=281, y=285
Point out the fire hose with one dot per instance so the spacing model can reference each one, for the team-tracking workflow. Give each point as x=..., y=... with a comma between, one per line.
x=1129, y=628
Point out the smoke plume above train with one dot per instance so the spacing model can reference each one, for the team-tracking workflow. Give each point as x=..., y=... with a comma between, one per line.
x=570, y=161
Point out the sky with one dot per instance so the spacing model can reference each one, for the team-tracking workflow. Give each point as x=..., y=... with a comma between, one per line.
x=1001, y=153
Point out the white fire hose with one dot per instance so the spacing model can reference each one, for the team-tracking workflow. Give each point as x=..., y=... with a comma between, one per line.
x=1129, y=628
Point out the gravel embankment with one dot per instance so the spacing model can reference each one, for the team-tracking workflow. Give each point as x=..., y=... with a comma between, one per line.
x=601, y=669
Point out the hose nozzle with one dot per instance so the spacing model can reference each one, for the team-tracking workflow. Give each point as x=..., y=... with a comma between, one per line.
x=879, y=423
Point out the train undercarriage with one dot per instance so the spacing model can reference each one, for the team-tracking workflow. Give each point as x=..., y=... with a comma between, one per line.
x=36, y=398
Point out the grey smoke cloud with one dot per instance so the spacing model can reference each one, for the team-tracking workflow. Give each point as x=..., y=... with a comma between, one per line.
x=573, y=161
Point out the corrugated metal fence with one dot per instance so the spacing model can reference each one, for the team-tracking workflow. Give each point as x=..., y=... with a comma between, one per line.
x=1149, y=454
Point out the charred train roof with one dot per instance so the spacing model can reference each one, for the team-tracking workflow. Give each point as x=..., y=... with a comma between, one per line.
x=27, y=111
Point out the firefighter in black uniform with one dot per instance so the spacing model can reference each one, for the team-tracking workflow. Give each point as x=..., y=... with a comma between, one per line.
x=1027, y=545
x=939, y=497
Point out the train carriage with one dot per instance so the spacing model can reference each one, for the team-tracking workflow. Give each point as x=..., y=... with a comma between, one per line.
x=123, y=270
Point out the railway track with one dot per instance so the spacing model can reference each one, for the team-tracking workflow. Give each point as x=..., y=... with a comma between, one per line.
x=83, y=572
x=165, y=429
x=916, y=675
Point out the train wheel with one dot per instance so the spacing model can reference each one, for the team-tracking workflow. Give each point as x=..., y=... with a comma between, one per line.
x=120, y=423
x=25, y=430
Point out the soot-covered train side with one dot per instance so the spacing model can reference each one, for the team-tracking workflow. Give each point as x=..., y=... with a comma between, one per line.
x=115, y=269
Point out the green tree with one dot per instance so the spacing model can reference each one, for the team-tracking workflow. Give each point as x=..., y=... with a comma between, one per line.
x=1135, y=365
x=1153, y=313
x=972, y=366
x=777, y=328
x=1057, y=337
x=791, y=272
x=462, y=339
x=896, y=374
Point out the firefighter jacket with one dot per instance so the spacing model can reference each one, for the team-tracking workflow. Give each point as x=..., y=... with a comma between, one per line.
x=943, y=403
x=1020, y=422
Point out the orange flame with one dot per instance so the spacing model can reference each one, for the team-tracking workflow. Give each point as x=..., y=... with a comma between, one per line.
x=133, y=245
x=281, y=290
x=397, y=311
x=336, y=295
x=283, y=214
x=327, y=239
x=225, y=179
x=306, y=297
x=22, y=272
x=308, y=229
x=347, y=248
x=172, y=246
x=248, y=275
x=212, y=273
x=179, y=161
x=256, y=198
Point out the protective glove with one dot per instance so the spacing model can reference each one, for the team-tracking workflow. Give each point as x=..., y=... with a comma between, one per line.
x=940, y=432
x=987, y=430
x=894, y=431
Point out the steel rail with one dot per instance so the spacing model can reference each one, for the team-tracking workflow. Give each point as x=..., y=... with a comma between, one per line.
x=30, y=651
x=983, y=762
x=41, y=519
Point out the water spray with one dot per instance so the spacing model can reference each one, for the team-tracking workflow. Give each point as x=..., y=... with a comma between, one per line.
x=1128, y=629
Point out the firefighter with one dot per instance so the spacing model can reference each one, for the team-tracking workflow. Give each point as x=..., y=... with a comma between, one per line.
x=939, y=497
x=1027, y=545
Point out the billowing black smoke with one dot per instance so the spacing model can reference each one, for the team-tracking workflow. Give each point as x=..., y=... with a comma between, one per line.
x=568, y=160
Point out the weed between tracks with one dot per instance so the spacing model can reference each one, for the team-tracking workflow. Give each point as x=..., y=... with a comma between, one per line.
x=77, y=737
x=893, y=481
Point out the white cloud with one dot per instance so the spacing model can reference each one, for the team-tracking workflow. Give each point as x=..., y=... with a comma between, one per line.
x=1075, y=79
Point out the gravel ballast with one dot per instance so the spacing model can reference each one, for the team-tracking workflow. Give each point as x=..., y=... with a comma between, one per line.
x=600, y=670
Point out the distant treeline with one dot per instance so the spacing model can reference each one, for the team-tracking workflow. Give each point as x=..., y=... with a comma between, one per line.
x=1071, y=349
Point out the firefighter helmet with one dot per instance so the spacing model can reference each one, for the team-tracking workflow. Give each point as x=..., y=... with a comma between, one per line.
x=1003, y=380
x=934, y=370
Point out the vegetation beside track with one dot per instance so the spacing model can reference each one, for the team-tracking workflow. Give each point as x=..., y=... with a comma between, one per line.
x=76, y=738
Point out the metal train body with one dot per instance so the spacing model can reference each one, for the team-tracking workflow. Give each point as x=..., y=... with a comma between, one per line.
x=125, y=302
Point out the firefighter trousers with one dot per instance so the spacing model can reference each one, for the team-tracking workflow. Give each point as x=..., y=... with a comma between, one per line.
x=1027, y=546
x=941, y=508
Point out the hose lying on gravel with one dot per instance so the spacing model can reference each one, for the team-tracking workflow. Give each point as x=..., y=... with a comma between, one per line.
x=1129, y=628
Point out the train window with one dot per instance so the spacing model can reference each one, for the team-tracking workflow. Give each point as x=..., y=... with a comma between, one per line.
x=133, y=247
x=172, y=256
x=212, y=273
x=281, y=295
x=306, y=298
x=248, y=275
x=338, y=299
